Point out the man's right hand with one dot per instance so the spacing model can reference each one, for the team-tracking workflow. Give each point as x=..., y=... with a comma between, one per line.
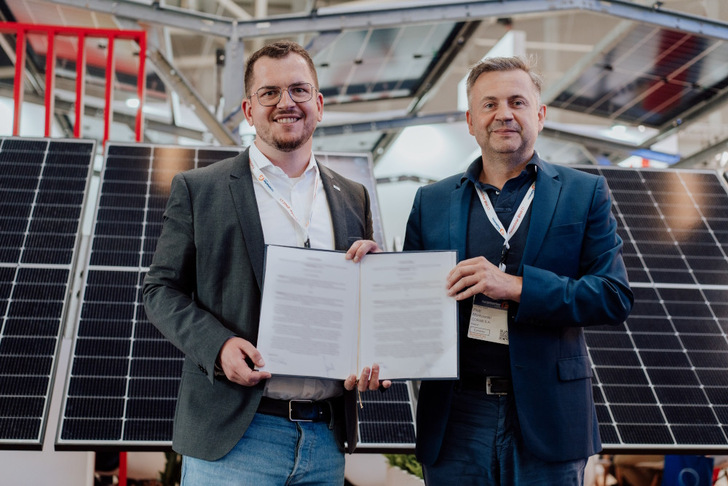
x=232, y=361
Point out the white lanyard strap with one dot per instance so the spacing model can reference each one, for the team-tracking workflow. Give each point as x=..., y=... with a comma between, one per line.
x=265, y=183
x=515, y=222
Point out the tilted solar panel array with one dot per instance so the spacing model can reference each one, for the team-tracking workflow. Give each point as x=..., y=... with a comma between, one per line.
x=43, y=186
x=124, y=375
x=661, y=378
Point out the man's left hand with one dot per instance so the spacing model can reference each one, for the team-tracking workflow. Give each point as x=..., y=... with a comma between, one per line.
x=360, y=248
x=479, y=276
x=367, y=380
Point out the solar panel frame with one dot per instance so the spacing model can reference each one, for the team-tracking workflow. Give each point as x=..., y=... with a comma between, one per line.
x=42, y=205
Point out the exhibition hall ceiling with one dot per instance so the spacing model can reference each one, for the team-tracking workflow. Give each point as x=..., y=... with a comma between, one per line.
x=647, y=79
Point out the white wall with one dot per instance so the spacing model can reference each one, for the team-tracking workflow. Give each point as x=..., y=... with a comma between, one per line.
x=431, y=152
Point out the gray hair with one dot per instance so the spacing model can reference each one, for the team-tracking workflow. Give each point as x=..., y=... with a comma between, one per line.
x=493, y=64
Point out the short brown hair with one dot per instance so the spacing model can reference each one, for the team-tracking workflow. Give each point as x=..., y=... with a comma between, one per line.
x=493, y=64
x=277, y=50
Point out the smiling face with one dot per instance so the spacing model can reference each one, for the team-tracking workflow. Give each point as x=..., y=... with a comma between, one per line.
x=287, y=126
x=505, y=115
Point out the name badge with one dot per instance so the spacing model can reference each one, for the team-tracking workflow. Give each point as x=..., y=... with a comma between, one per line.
x=489, y=320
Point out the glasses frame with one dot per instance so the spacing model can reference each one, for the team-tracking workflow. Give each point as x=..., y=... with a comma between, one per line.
x=280, y=93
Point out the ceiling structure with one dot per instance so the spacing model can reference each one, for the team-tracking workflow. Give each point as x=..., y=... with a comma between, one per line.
x=622, y=78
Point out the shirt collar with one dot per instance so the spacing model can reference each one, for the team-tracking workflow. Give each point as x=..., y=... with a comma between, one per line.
x=264, y=164
x=472, y=173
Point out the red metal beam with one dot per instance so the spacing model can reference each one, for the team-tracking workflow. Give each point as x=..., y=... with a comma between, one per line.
x=19, y=80
x=50, y=85
x=22, y=30
x=109, y=95
x=9, y=27
x=123, y=465
x=141, y=88
x=80, y=85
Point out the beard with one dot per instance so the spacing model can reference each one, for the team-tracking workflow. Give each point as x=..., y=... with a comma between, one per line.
x=497, y=144
x=289, y=141
x=289, y=145
x=509, y=126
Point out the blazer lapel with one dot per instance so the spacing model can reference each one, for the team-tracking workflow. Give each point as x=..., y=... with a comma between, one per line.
x=548, y=188
x=335, y=199
x=459, y=210
x=246, y=206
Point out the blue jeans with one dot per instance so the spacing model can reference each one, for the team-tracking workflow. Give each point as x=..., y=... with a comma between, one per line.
x=483, y=446
x=273, y=452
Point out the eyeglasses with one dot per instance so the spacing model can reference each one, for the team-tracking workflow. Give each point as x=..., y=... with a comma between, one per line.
x=271, y=95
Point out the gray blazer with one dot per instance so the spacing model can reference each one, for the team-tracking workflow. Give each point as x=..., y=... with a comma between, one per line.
x=204, y=286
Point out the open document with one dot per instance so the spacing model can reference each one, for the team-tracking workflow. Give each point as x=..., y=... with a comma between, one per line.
x=328, y=317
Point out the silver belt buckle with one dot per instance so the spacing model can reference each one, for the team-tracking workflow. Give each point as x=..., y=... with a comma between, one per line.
x=290, y=411
x=489, y=384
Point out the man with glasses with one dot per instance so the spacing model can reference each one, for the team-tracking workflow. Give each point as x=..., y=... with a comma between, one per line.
x=235, y=425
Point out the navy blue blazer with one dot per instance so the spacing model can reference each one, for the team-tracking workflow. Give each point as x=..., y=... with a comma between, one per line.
x=573, y=276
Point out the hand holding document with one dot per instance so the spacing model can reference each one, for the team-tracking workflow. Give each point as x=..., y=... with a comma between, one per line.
x=325, y=316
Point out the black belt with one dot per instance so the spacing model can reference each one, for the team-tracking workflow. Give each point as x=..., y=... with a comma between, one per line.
x=491, y=385
x=297, y=410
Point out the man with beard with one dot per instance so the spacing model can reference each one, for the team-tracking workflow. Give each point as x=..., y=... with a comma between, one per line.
x=540, y=259
x=235, y=425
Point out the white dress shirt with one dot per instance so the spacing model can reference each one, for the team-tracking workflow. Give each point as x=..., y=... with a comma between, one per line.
x=279, y=228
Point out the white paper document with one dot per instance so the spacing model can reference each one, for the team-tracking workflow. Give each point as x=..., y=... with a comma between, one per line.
x=328, y=317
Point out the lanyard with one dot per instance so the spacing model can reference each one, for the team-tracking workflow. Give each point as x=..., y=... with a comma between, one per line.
x=265, y=183
x=515, y=222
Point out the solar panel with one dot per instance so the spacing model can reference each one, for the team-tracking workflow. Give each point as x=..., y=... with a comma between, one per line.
x=122, y=386
x=661, y=378
x=387, y=420
x=358, y=167
x=653, y=76
x=42, y=194
x=124, y=375
x=379, y=63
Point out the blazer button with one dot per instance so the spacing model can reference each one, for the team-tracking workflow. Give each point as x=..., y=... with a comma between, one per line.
x=202, y=368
